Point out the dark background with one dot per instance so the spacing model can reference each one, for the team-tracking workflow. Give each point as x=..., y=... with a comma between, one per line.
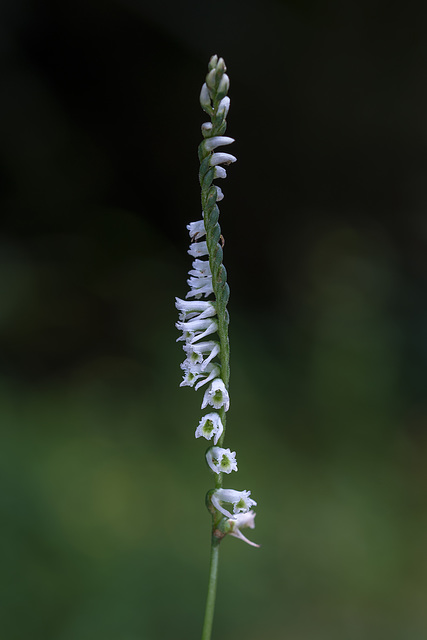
x=104, y=533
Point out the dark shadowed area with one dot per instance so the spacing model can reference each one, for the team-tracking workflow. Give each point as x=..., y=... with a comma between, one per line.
x=104, y=532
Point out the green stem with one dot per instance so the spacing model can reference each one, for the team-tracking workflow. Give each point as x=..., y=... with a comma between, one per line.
x=210, y=601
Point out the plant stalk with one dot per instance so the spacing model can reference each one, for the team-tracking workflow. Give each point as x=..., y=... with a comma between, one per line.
x=210, y=600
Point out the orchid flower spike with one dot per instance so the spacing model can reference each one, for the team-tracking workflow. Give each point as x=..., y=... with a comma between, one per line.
x=204, y=323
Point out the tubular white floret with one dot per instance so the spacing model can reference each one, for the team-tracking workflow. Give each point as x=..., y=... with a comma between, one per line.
x=240, y=500
x=199, y=287
x=207, y=126
x=221, y=158
x=198, y=328
x=198, y=249
x=210, y=426
x=195, y=354
x=217, y=141
x=195, y=308
x=216, y=395
x=196, y=229
x=220, y=172
x=221, y=460
x=219, y=194
x=201, y=269
x=195, y=374
x=243, y=520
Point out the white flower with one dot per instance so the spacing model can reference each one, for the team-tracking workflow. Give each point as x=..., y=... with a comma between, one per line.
x=195, y=354
x=220, y=172
x=199, y=287
x=222, y=158
x=201, y=269
x=196, y=229
x=194, y=308
x=241, y=521
x=210, y=426
x=216, y=395
x=207, y=126
x=221, y=460
x=198, y=249
x=190, y=377
x=239, y=499
x=217, y=141
x=196, y=329
x=213, y=370
x=200, y=281
x=219, y=194
x=195, y=373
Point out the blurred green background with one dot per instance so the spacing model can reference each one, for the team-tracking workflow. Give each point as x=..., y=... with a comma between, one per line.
x=104, y=532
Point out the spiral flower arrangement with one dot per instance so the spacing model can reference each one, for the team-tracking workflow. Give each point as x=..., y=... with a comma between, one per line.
x=204, y=325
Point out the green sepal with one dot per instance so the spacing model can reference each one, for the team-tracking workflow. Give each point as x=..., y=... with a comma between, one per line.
x=219, y=124
x=203, y=154
x=208, y=110
x=211, y=198
x=211, y=218
x=222, y=275
x=214, y=234
x=206, y=179
x=217, y=255
x=225, y=526
x=208, y=502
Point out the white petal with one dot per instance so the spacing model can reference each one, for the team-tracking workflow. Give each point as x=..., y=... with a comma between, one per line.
x=196, y=229
x=205, y=362
x=219, y=194
x=224, y=84
x=239, y=499
x=224, y=106
x=205, y=99
x=222, y=158
x=194, y=308
x=245, y=520
x=216, y=395
x=197, y=329
x=220, y=172
x=214, y=372
x=238, y=534
x=217, y=141
x=220, y=508
x=221, y=460
x=201, y=268
x=198, y=249
x=214, y=428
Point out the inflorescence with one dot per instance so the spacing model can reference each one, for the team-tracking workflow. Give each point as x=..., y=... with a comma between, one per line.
x=204, y=323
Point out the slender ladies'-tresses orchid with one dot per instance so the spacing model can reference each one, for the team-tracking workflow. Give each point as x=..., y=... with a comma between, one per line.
x=204, y=326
